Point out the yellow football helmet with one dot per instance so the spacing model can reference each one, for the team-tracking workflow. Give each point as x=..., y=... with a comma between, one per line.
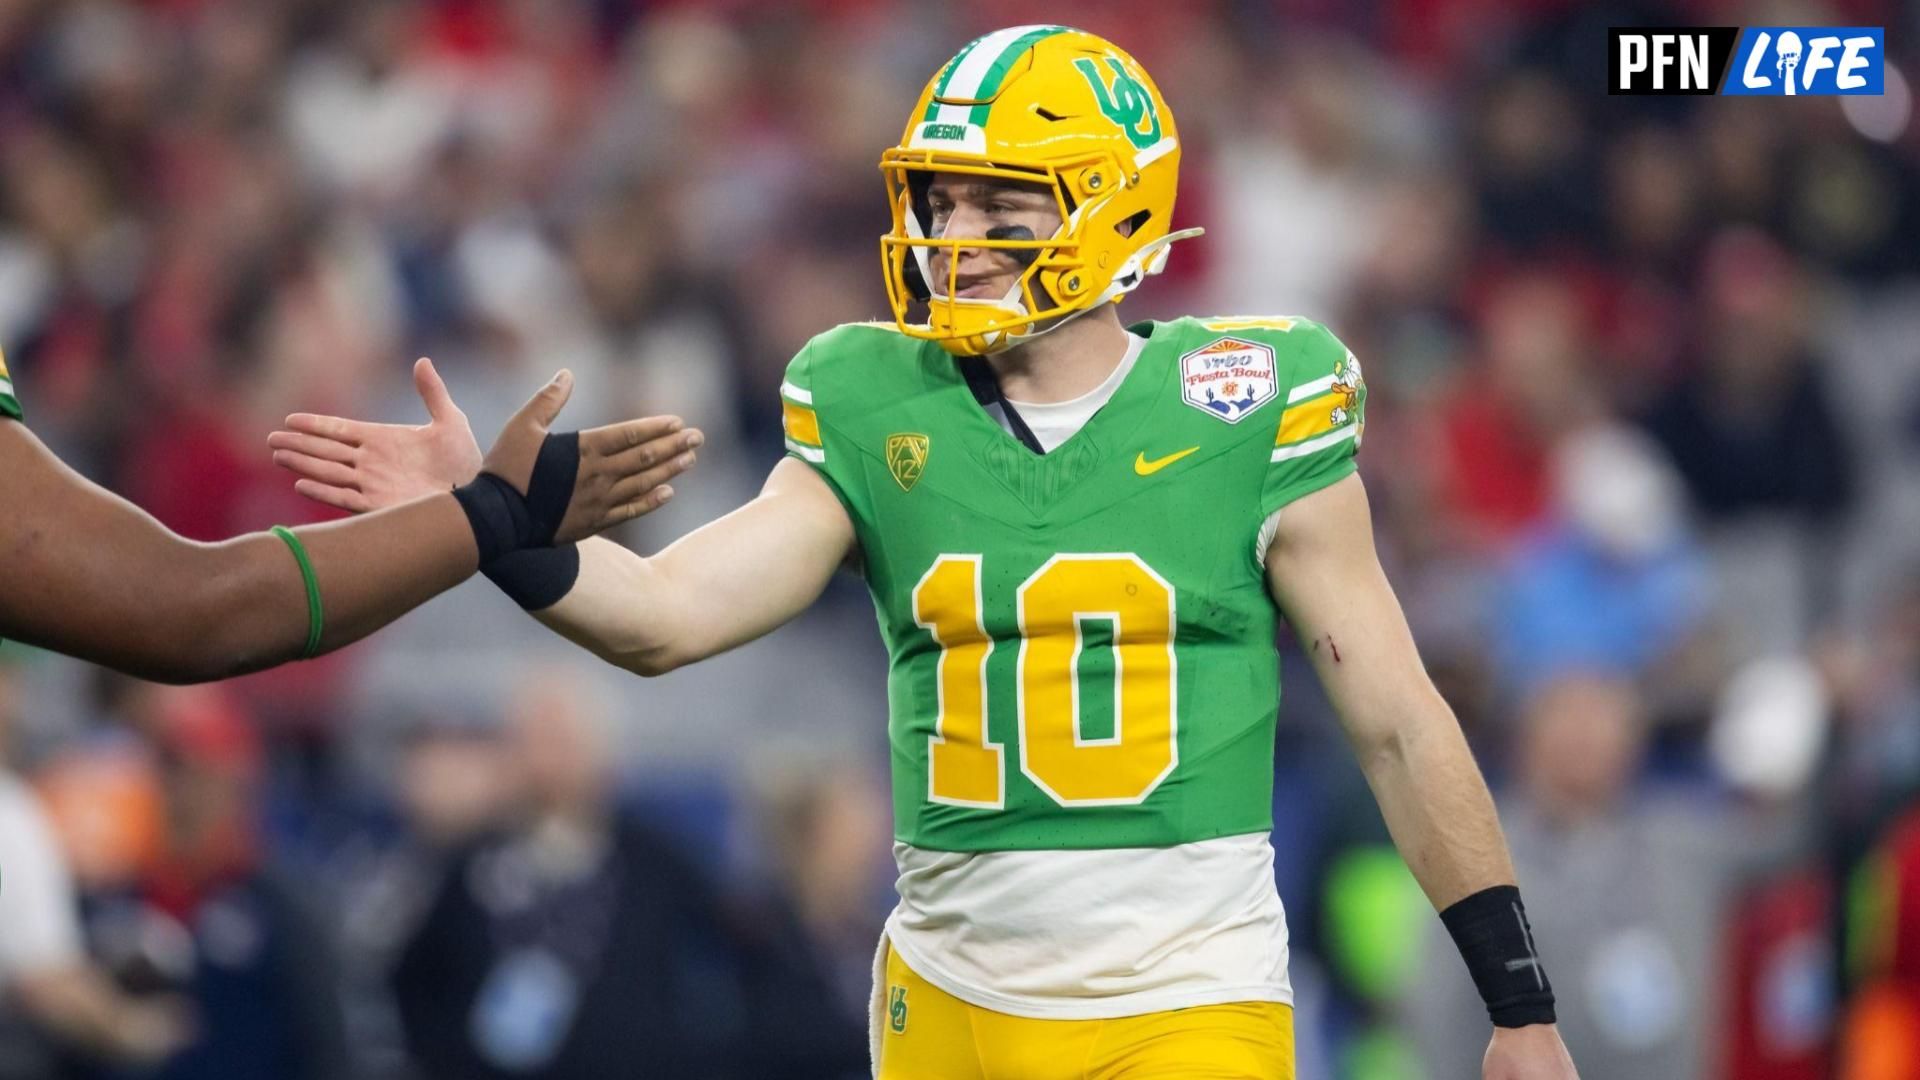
x=1047, y=105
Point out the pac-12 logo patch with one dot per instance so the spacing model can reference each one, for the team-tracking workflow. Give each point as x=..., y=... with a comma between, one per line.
x=907, y=457
x=897, y=1009
x=1229, y=378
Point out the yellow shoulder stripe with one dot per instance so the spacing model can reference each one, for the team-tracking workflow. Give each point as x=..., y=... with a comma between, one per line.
x=3, y=365
x=801, y=422
x=1310, y=418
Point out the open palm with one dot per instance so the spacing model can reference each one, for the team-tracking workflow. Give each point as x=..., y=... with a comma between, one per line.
x=358, y=466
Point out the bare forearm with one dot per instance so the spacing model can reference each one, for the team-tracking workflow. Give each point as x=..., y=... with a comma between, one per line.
x=1437, y=806
x=710, y=592
x=162, y=607
x=86, y=573
x=1323, y=572
x=718, y=587
x=370, y=571
x=1409, y=745
x=624, y=609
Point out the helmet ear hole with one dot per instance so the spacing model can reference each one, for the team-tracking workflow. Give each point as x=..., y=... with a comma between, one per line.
x=1131, y=225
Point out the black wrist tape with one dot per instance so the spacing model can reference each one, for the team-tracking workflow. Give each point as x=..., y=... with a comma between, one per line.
x=536, y=578
x=498, y=514
x=1490, y=929
x=551, y=488
x=505, y=521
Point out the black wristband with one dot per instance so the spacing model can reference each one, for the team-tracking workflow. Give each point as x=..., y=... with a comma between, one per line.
x=536, y=578
x=498, y=514
x=1490, y=929
x=551, y=488
x=505, y=521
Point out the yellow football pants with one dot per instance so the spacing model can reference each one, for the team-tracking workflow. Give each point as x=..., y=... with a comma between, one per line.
x=928, y=1034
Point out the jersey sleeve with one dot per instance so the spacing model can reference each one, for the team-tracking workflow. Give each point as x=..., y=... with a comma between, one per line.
x=1321, y=426
x=799, y=420
x=811, y=437
x=9, y=404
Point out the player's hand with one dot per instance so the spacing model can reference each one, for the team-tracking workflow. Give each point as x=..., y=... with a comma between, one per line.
x=1534, y=1052
x=623, y=469
x=357, y=466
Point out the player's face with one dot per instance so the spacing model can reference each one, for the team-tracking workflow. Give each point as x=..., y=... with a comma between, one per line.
x=975, y=207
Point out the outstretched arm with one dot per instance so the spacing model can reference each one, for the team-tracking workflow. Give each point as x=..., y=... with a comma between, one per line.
x=84, y=572
x=1324, y=574
x=719, y=586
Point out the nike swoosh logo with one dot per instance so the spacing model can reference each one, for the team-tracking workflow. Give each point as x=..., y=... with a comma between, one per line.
x=1147, y=468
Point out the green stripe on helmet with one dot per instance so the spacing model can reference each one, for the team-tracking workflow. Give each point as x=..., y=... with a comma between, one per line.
x=946, y=75
x=989, y=82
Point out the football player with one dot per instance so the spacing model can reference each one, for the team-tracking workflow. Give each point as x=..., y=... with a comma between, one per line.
x=86, y=573
x=1079, y=535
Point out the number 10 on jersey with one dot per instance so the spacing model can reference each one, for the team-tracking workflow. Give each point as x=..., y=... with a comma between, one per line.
x=1054, y=606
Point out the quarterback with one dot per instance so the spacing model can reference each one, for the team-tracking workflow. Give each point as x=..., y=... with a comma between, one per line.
x=1079, y=535
x=84, y=572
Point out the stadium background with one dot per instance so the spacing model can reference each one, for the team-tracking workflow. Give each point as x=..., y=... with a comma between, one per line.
x=1644, y=449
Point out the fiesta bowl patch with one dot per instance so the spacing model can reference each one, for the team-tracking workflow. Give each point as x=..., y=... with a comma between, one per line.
x=1228, y=378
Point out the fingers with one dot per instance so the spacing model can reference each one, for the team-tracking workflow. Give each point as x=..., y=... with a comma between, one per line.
x=636, y=458
x=337, y=497
x=613, y=438
x=630, y=488
x=645, y=504
x=662, y=448
x=312, y=446
x=351, y=432
x=426, y=381
x=327, y=472
x=545, y=405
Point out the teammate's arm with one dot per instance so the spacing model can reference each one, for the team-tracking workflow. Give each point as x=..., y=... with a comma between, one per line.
x=84, y=572
x=722, y=585
x=1323, y=572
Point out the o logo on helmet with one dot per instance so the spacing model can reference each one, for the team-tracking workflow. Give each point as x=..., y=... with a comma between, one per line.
x=1126, y=102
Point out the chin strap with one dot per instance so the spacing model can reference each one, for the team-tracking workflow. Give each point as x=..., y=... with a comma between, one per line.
x=986, y=390
x=1141, y=265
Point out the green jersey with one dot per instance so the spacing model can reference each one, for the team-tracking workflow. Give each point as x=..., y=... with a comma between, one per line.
x=1081, y=643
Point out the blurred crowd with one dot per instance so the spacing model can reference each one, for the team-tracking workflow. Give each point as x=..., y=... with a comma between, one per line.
x=1644, y=452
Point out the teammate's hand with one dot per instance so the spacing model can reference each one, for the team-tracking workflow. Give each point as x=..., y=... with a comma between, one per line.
x=357, y=466
x=1534, y=1052
x=623, y=470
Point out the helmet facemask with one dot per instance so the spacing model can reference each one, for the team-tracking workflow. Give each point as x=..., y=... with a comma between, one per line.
x=977, y=325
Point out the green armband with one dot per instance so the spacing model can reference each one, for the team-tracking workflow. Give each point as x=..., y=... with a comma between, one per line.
x=316, y=615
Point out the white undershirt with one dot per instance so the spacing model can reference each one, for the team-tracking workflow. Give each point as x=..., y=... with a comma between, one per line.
x=1053, y=423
